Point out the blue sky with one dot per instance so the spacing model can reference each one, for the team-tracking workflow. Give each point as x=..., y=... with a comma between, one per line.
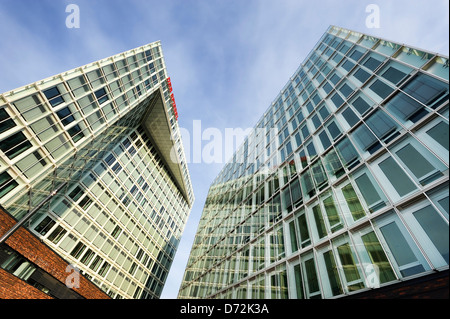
x=228, y=59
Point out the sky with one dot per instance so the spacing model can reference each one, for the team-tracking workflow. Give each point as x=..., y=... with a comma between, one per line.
x=227, y=59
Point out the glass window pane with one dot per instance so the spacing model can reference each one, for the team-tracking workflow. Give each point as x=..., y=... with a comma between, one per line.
x=370, y=193
x=298, y=282
x=381, y=124
x=361, y=105
x=365, y=139
x=378, y=257
x=5, y=121
x=381, y=89
x=398, y=178
x=361, y=75
x=436, y=229
x=15, y=145
x=7, y=184
x=426, y=89
x=353, y=202
x=417, y=163
x=440, y=134
x=346, y=151
x=405, y=108
x=350, y=117
x=293, y=235
x=332, y=213
x=334, y=130
x=333, y=275
x=372, y=63
x=325, y=140
x=321, y=230
x=349, y=265
x=393, y=75
x=400, y=249
x=304, y=233
x=311, y=275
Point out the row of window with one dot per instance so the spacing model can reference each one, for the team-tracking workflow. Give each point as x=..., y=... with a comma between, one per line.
x=128, y=153
x=365, y=258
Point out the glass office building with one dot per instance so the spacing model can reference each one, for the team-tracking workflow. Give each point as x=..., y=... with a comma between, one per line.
x=105, y=138
x=342, y=185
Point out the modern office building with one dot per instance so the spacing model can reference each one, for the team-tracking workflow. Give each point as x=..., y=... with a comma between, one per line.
x=341, y=188
x=95, y=155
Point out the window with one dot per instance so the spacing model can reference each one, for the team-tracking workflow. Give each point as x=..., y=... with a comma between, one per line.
x=372, y=63
x=78, y=250
x=370, y=191
x=298, y=278
x=421, y=163
x=381, y=89
x=381, y=124
x=305, y=239
x=311, y=150
x=337, y=100
x=361, y=105
x=45, y=225
x=361, y=75
x=57, y=234
x=331, y=211
x=346, y=90
x=101, y=96
x=305, y=132
x=350, y=117
x=406, y=255
x=335, y=79
x=324, y=113
x=365, y=139
x=293, y=237
x=54, y=96
x=332, y=272
x=333, y=165
x=347, y=153
x=397, y=177
x=334, y=130
x=372, y=253
x=311, y=281
x=316, y=121
x=319, y=221
x=427, y=90
x=348, y=65
x=348, y=263
x=356, y=55
x=5, y=121
x=325, y=140
x=394, y=75
x=65, y=116
x=406, y=109
x=15, y=145
x=436, y=230
x=327, y=87
x=353, y=203
x=7, y=184
x=439, y=133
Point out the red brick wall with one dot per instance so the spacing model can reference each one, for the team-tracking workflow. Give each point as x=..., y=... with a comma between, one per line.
x=34, y=250
x=12, y=287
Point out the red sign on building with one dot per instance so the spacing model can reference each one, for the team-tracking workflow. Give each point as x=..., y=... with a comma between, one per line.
x=172, y=97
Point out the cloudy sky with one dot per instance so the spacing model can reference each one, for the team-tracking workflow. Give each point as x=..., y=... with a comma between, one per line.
x=228, y=59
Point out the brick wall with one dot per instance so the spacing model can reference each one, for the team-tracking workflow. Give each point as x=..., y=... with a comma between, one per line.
x=29, y=246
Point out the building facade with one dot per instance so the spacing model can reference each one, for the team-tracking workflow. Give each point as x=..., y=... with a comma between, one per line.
x=341, y=187
x=98, y=149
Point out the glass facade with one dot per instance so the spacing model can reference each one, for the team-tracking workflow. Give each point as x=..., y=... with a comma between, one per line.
x=341, y=186
x=124, y=205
